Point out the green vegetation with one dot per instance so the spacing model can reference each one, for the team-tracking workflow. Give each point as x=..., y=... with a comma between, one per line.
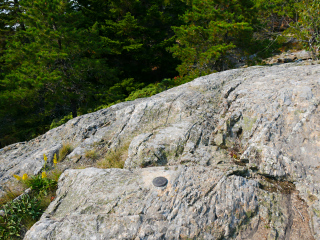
x=58, y=122
x=22, y=212
x=61, y=59
x=19, y=214
x=153, y=89
x=41, y=184
x=210, y=31
x=307, y=28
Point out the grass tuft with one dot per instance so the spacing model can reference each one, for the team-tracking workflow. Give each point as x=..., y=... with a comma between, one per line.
x=114, y=159
x=92, y=154
x=10, y=195
x=64, y=151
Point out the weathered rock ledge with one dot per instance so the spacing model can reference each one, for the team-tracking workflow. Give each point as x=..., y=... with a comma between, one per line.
x=240, y=150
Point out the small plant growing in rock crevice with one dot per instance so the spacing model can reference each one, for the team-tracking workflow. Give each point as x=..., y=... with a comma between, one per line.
x=41, y=184
x=19, y=214
x=272, y=184
x=92, y=154
x=64, y=151
x=114, y=158
x=236, y=151
x=11, y=193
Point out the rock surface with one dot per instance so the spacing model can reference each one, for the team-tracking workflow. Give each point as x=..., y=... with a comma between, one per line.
x=240, y=150
x=289, y=56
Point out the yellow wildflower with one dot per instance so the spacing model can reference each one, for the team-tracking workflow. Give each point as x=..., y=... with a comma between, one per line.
x=17, y=177
x=24, y=177
x=55, y=161
x=44, y=175
x=45, y=158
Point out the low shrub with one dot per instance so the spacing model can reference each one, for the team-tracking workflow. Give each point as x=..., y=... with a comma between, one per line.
x=19, y=216
x=21, y=213
x=58, y=122
x=152, y=89
x=41, y=184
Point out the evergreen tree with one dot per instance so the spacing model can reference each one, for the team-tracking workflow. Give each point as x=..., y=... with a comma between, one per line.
x=211, y=29
x=307, y=27
x=9, y=23
x=52, y=67
x=68, y=56
x=139, y=32
x=275, y=15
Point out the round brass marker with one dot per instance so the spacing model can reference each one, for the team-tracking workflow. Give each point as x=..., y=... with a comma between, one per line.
x=160, y=181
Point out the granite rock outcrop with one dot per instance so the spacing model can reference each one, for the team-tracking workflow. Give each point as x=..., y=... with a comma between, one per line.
x=240, y=150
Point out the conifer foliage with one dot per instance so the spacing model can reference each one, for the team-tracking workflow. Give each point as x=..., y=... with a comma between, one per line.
x=307, y=28
x=64, y=56
x=211, y=29
x=50, y=65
